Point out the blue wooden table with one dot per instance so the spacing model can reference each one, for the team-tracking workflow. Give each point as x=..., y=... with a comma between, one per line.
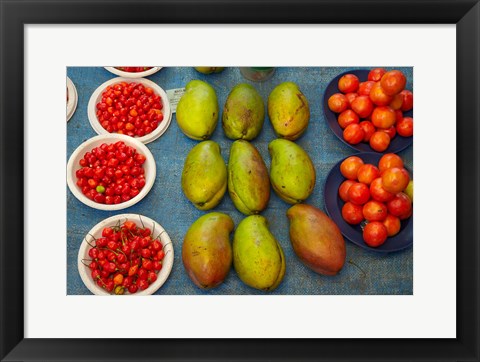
x=382, y=273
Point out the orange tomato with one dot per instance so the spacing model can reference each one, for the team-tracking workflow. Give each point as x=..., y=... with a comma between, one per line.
x=379, y=141
x=367, y=173
x=390, y=160
x=396, y=102
x=395, y=180
x=363, y=106
x=348, y=83
x=378, y=192
x=378, y=96
x=353, y=134
x=383, y=117
x=343, y=189
x=349, y=167
x=393, y=82
x=347, y=118
x=338, y=103
x=351, y=97
x=392, y=223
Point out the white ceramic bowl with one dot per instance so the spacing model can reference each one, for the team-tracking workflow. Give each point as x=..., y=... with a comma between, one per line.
x=72, y=99
x=97, y=97
x=96, y=232
x=124, y=74
x=73, y=165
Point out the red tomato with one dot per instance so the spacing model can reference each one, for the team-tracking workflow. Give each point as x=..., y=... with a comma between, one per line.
x=406, y=215
x=368, y=128
x=367, y=173
x=376, y=74
x=379, y=141
x=391, y=131
x=343, y=189
x=364, y=88
x=353, y=134
x=392, y=223
x=405, y=127
x=398, y=115
x=375, y=211
x=349, y=167
x=338, y=103
x=351, y=97
x=348, y=83
x=378, y=96
x=374, y=234
x=352, y=213
x=400, y=205
x=395, y=180
x=378, y=192
x=393, y=82
x=407, y=100
x=358, y=193
x=363, y=106
x=347, y=118
x=383, y=117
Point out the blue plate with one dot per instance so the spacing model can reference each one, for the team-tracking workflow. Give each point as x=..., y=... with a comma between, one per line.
x=397, y=144
x=334, y=204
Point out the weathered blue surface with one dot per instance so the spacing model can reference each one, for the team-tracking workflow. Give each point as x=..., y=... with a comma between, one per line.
x=165, y=203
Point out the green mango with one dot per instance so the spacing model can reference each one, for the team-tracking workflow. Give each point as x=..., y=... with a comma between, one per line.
x=288, y=111
x=243, y=113
x=206, y=250
x=258, y=258
x=248, y=181
x=204, y=176
x=316, y=239
x=291, y=172
x=197, y=110
x=209, y=70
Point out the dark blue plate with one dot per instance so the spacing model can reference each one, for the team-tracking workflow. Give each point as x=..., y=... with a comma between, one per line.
x=397, y=144
x=334, y=204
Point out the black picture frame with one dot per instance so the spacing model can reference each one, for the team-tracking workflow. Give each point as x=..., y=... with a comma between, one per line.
x=15, y=14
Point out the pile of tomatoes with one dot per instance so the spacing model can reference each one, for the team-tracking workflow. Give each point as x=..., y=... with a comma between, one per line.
x=126, y=258
x=133, y=69
x=376, y=195
x=372, y=111
x=111, y=173
x=130, y=108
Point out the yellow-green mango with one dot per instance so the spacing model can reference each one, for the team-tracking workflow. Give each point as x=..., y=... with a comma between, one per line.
x=288, y=111
x=248, y=181
x=316, y=239
x=206, y=250
x=209, y=70
x=243, y=113
x=197, y=110
x=291, y=172
x=204, y=176
x=258, y=258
